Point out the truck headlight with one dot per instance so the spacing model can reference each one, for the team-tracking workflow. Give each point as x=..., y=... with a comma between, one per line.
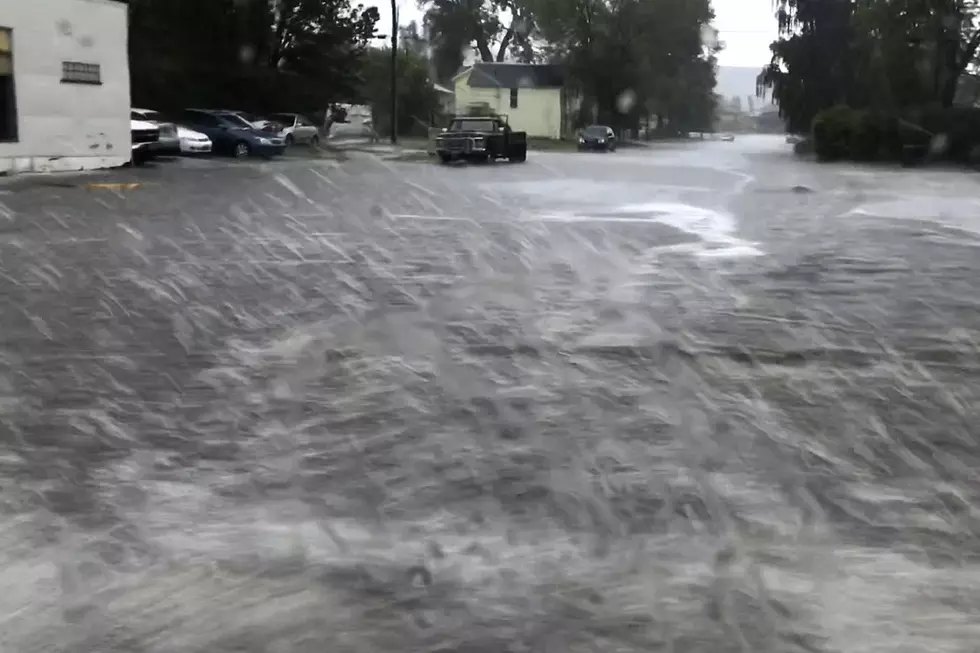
x=581, y=141
x=264, y=141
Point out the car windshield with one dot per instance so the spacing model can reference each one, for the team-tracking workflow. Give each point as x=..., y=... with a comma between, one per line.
x=235, y=120
x=596, y=130
x=473, y=125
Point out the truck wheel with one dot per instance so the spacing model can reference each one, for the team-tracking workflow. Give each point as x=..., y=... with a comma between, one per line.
x=519, y=156
x=445, y=158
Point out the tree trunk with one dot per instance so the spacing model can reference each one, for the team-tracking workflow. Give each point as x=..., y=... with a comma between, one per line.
x=949, y=89
x=505, y=43
x=484, y=48
x=956, y=62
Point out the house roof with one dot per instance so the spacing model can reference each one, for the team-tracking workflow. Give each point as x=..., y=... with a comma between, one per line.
x=516, y=75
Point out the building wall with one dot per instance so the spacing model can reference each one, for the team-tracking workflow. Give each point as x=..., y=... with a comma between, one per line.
x=67, y=126
x=538, y=110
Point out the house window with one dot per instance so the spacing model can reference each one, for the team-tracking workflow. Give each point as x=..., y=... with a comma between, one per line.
x=513, y=98
x=74, y=72
x=8, y=98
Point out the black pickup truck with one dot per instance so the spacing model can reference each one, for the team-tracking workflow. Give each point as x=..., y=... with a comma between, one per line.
x=481, y=139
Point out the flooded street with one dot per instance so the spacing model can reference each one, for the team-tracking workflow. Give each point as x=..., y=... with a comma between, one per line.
x=695, y=397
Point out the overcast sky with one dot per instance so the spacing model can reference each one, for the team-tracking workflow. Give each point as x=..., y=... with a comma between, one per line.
x=747, y=27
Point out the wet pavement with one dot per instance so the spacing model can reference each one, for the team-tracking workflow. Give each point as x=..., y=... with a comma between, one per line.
x=698, y=395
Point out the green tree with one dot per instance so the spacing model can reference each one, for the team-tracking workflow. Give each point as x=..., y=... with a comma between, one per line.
x=309, y=36
x=814, y=61
x=625, y=59
x=946, y=33
x=694, y=105
x=290, y=51
x=634, y=59
x=869, y=54
x=417, y=99
x=492, y=28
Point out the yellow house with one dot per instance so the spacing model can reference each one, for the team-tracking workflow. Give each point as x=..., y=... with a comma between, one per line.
x=530, y=95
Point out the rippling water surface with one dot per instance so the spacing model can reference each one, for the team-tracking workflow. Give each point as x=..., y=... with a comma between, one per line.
x=369, y=407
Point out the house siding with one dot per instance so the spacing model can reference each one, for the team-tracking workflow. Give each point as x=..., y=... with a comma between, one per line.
x=538, y=110
x=67, y=126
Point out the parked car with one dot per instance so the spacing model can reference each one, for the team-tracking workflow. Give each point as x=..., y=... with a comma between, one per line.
x=193, y=142
x=262, y=124
x=298, y=129
x=169, y=142
x=232, y=134
x=144, y=137
x=599, y=138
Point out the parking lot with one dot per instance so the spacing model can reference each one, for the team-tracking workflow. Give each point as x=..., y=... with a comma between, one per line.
x=711, y=351
x=161, y=137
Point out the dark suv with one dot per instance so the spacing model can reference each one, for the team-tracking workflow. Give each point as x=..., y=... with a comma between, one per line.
x=231, y=134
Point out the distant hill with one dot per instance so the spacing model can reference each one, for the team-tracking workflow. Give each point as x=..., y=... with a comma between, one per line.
x=738, y=81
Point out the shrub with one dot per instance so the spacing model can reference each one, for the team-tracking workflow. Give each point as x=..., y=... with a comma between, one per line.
x=891, y=141
x=832, y=131
x=869, y=137
x=959, y=128
x=937, y=133
x=803, y=146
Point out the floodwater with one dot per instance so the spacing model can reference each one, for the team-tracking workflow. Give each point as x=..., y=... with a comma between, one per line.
x=691, y=398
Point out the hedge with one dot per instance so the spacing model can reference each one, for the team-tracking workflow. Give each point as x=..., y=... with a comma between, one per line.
x=947, y=134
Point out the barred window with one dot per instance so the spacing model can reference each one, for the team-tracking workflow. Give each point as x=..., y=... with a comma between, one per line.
x=74, y=72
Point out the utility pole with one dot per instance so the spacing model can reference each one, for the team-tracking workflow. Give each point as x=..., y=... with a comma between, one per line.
x=394, y=72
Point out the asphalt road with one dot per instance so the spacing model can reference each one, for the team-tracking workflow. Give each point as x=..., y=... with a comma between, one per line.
x=699, y=396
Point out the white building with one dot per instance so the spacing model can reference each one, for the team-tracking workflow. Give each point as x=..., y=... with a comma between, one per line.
x=64, y=85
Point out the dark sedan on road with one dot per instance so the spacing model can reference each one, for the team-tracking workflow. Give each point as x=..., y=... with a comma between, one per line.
x=231, y=134
x=598, y=138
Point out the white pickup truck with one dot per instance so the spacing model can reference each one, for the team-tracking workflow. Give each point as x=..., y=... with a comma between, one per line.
x=145, y=138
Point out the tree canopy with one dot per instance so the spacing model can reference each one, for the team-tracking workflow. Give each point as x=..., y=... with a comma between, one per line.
x=625, y=59
x=417, y=98
x=878, y=54
x=247, y=53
